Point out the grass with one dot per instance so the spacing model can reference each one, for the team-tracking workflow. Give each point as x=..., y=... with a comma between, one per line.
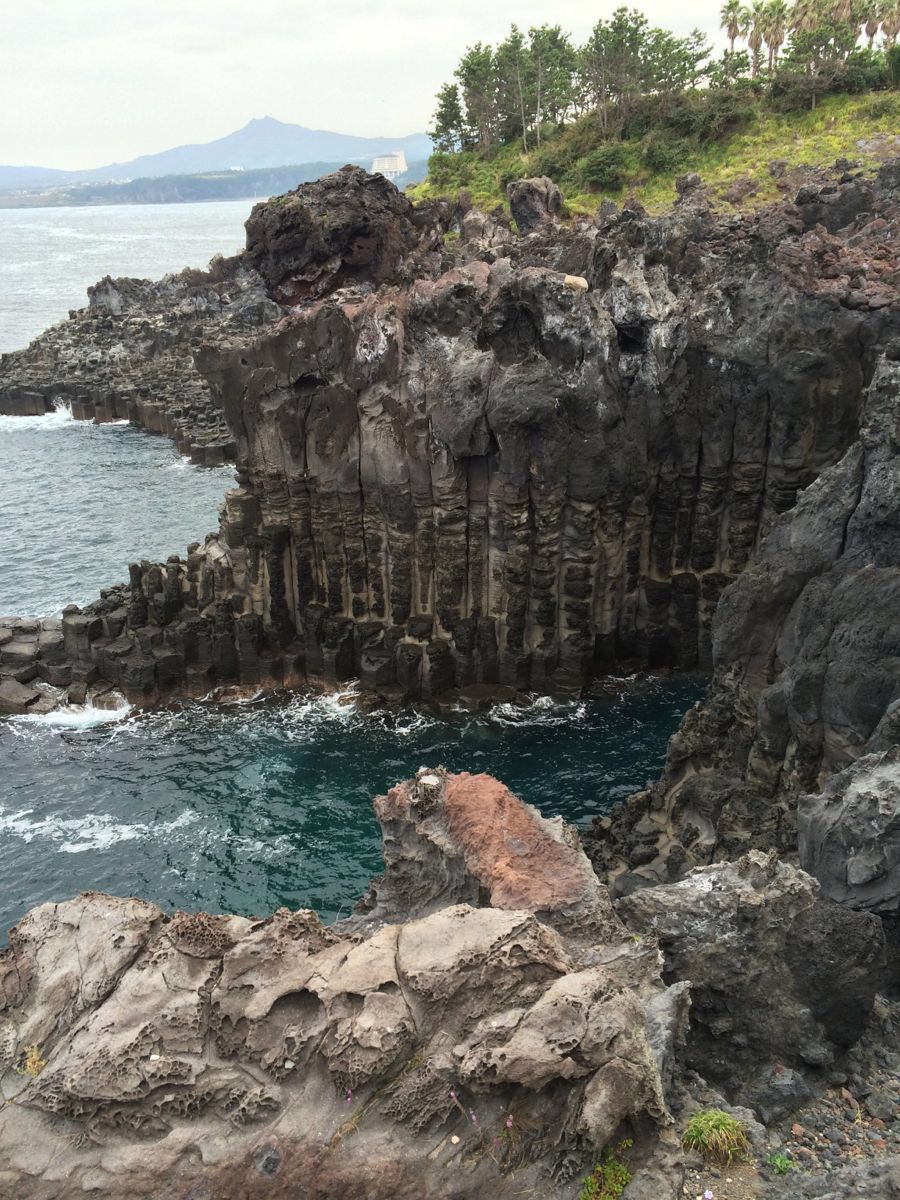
x=717, y=1135
x=815, y=138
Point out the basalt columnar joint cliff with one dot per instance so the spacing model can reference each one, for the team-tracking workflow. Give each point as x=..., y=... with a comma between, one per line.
x=463, y=467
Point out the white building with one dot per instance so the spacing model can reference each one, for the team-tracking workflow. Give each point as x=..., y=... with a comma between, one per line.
x=389, y=165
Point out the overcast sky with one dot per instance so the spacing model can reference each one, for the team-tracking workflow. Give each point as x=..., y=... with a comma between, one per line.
x=84, y=83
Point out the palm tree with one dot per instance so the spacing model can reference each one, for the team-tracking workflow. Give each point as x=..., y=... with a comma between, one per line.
x=755, y=34
x=806, y=15
x=872, y=15
x=777, y=17
x=842, y=10
x=733, y=20
x=890, y=21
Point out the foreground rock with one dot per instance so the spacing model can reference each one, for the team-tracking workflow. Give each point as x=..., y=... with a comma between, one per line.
x=782, y=980
x=470, y=1048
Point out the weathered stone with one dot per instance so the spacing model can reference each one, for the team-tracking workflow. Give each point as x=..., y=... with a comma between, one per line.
x=468, y=1050
x=780, y=977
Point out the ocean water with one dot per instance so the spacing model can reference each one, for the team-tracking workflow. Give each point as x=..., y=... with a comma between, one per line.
x=79, y=502
x=237, y=807
x=50, y=256
x=246, y=807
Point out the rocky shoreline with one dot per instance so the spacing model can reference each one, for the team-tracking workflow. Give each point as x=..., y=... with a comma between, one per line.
x=472, y=459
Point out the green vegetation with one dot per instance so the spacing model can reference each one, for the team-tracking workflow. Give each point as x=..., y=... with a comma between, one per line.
x=717, y=1135
x=780, y=1163
x=609, y=1177
x=636, y=106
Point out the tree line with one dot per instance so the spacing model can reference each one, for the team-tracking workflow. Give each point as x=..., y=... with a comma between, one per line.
x=539, y=79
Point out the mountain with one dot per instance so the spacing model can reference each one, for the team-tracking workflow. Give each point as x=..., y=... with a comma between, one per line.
x=263, y=142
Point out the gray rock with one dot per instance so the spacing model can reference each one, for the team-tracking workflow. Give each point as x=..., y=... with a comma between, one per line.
x=781, y=979
x=849, y=834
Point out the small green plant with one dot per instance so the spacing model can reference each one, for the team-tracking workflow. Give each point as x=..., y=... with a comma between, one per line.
x=780, y=1163
x=609, y=1177
x=717, y=1135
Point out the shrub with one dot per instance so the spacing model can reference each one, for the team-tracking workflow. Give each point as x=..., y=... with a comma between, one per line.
x=604, y=168
x=717, y=1135
x=609, y=1177
x=662, y=154
x=553, y=160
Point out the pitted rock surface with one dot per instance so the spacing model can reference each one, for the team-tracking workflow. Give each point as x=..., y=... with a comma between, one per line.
x=459, y=1051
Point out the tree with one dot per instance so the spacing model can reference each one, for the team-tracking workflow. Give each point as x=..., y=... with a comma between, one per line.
x=553, y=62
x=477, y=78
x=733, y=20
x=890, y=21
x=611, y=63
x=755, y=35
x=806, y=15
x=448, y=133
x=775, y=28
x=515, y=80
x=872, y=15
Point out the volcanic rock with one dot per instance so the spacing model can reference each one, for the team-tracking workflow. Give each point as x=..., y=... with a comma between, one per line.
x=849, y=834
x=460, y=1051
x=534, y=203
x=781, y=978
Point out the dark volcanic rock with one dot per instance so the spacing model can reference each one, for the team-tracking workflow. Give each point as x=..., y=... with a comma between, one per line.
x=849, y=834
x=534, y=203
x=780, y=978
x=344, y=229
x=462, y=1051
x=129, y=355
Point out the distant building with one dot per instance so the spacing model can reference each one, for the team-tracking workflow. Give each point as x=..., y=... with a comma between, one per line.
x=390, y=165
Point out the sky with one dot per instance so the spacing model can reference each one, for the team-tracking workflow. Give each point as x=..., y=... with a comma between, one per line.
x=84, y=83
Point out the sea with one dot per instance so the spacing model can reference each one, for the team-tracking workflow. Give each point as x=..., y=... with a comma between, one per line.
x=229, y=807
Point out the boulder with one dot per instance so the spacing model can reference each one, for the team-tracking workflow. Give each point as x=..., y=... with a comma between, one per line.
x=782, y=979
x=849, y=834
x=534, y=203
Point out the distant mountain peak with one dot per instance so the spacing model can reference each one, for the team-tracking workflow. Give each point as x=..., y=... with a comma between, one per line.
x=263, y=143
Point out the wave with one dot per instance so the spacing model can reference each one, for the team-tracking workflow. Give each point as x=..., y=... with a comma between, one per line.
x=60, y=417
x=538, y=710
x=96, y=831
x=75, y=717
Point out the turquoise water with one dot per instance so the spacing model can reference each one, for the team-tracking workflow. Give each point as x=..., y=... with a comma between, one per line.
x=238, y=808
x=246, y=807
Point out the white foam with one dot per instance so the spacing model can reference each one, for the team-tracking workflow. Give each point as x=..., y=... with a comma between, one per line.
x=96, y=831
x=61, y=416
x=540, y=710
x=77, y=716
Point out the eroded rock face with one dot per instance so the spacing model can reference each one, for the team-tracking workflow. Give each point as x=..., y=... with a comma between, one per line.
x=781, y=978
x=849, y=834
x=476, y=474
x=806, y=651
x=462, y=1050
x=344, y=229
